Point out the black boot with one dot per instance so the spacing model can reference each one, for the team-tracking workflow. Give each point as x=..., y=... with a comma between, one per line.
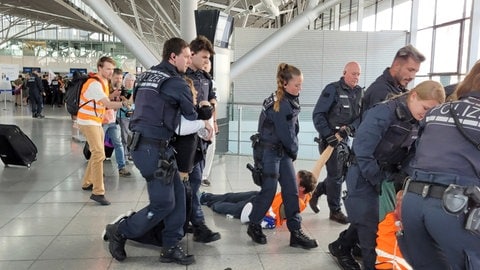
x=177, y=255
x=255, y=232
x=319, y=191
x=343, y=256
x=299, y=239
x=201, y=233
x=116, y=244
x=339, y=216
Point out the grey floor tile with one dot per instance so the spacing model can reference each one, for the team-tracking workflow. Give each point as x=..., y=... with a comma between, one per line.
x=15, y=248
x=74, y=264
x=15, y=265
x=31, y=226
x=52, y=210
x=48, y=222
x=76, y=247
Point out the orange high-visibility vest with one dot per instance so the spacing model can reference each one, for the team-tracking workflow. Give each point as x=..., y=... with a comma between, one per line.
x=278, y=201
x=389, y=255
x=92, y=110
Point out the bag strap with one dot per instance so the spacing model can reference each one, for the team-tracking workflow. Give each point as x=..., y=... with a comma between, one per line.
x=461, y=129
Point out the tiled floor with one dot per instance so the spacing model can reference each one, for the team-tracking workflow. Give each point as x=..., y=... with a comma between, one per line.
x=48, y=222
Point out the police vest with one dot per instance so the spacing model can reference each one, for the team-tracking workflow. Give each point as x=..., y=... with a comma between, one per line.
x=266, y=126
x=156, y=115
x=32, y=84
x=55, y=84
x=263, y=122
x=201, y=82
x=403, y=131
x=346, y=109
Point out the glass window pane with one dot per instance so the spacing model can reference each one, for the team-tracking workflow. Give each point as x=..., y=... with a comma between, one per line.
x=424, y=45
x=468, y=8
x=466, y=41
x=401, y=16
x=384, y=16
x=368, y=23
x=446, y=48
x=426, y=12
x=447, y=11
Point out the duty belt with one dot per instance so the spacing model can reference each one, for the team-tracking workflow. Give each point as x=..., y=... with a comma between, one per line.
x=158, y=142
x=426, y=189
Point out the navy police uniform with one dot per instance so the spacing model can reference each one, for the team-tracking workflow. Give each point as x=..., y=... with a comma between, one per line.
x=35, y=88
x=382, y=146
x=433, y=238
x=338, y=106
x=161, y=96
x=278, y=138
x=382, y=88
x=203, y=84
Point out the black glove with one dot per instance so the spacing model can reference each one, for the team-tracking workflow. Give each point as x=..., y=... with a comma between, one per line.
x=292, y=156
x=378, y=189
x=377, y=186
x=332, y=140
x=205, y=112
x=398, y=178
x=344, y=132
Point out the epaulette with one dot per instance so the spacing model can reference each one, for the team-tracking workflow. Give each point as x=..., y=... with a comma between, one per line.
x=269, y=101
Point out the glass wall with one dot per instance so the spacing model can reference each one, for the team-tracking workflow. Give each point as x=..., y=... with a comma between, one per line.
x=58, y=48
x=443, y=30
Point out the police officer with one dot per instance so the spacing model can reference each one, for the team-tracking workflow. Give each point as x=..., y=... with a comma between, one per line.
x=278, y=128
x=436, y=233
x=201, y=49
x=337, y=110
x=395, y=78
x=393, y=81
x=35, y=87
x=382, y=146
x=161, y=97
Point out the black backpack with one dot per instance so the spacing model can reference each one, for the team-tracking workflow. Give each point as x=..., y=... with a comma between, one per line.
x=72, y=94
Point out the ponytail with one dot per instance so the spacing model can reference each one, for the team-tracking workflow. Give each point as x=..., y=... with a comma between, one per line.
x=285, y=72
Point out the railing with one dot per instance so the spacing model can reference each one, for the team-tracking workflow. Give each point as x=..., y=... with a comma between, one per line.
x=243, y=122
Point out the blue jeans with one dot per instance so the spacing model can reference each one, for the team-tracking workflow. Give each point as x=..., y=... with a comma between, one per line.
x=195, y=178
x=231, y=203
x=112, y=130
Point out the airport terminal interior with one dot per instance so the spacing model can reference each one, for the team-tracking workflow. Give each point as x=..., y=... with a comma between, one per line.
x=48, y=222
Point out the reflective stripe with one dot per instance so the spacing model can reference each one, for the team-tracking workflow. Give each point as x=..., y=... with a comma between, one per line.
x=395, y=262
x=91, y=110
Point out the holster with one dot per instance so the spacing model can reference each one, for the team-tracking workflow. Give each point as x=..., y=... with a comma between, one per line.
x=132, y=141
x=473, y=217
x=256, y=174
x=165, y=171
x=458, y=199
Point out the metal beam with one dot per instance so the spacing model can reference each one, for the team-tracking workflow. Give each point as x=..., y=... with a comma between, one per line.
x=84, y=16
x=137, y=19
x=170, y=23
x=187, y=19
x=121, y=29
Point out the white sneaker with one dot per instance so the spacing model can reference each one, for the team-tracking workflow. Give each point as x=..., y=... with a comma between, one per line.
x=117, y=220
x=247, y=209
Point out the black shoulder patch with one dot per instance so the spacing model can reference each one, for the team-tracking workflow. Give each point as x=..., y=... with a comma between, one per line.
x=326, y=95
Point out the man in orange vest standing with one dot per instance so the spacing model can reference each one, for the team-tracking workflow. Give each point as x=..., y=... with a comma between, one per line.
x=93, y=101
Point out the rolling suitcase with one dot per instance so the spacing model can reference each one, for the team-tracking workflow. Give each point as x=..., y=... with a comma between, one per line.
x=16, y=148
x=108, y=149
